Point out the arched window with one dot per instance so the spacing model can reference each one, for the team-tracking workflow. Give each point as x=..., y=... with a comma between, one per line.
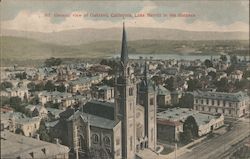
x=95, y=138
x=106, y=140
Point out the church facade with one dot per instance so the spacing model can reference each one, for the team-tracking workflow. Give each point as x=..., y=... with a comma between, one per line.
x=119, y=130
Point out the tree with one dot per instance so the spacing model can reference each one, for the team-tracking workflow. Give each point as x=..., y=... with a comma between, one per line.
x=49, y=86
x=43, y=132
x=222, y=85
x=61, y=88
x=170, y=83
x=186, y=101
x=190, y=130
x=4, y=85
x=16, y=103
x=4, y=100
x=31, y=86
x=212, y=74
x=208, y=63
x=157, y=80
x=194, y=84
x=223, y=58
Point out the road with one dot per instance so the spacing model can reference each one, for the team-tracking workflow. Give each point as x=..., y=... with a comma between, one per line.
x=215, y=147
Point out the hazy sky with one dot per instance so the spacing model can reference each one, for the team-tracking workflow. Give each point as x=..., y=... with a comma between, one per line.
x=55, y=15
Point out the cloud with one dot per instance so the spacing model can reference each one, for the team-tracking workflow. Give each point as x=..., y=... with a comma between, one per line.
x=38, y=22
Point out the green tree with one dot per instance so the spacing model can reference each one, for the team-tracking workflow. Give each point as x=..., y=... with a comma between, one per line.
x=43, y=132
x=4, y=85
x=194, y=84
x=61, y=88
x=170, y=83
x=223, y=58
x=49, y=86
x=208, y=63
x=31, y=86
x=222, y=85
x=186, y=101
x=212, y=74
x=4, y=100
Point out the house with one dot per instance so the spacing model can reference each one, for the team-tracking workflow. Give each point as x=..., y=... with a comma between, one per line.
x=170, y=122
x=163, y=96
x=19, y=123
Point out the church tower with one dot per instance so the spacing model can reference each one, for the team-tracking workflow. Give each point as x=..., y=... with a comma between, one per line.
x=125, y=102
x=147, y=98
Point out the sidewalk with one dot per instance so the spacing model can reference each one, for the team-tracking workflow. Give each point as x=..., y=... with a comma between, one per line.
x=182, y=150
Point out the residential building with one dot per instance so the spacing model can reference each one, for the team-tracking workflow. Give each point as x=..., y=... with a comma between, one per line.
x=229, y=104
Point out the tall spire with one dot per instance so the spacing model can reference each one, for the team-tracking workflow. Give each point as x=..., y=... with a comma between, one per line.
x=124, y=50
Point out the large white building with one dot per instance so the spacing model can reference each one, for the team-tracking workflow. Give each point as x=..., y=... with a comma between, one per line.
x=228, y=104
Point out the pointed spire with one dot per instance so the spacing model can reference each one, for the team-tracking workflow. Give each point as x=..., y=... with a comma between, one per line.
x=124, y=50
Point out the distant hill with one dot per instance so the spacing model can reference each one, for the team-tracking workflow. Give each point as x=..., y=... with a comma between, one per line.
x=25, y=48
x=88, y=35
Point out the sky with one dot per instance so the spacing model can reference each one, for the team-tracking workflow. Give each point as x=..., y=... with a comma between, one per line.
x=59, y=15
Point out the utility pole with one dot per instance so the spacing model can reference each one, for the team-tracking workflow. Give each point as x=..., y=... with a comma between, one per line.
x=175, y=153
x=76, y=142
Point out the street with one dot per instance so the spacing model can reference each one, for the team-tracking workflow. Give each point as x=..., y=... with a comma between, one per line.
x=215, y=147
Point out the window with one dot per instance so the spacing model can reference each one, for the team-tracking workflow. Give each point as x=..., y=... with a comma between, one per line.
x=229, y=112
x=202, y=108
x=202, y=101
x=151, y=101
x=216, y=110
x=230, y=104
x=212, y=102
x=218, y=102
x=224, y=103
x=196, y=100
x=130, y=90
x=207, y=101
x=209, y=109
x=106, y=140
x=95, y=138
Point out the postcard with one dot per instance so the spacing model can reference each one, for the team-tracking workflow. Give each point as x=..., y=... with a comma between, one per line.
x=104, y=79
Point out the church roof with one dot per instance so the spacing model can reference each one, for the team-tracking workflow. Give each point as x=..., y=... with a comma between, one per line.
x=162, y=90
x=100, y=108
x=94, y=120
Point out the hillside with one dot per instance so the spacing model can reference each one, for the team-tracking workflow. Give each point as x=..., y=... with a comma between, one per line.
x=24, y=48
x=89, y=35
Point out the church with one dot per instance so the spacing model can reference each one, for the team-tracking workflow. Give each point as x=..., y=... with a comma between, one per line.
x=124, y=129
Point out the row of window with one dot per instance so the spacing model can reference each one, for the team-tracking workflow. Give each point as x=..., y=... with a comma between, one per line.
x=216, y=110
x=206, y=101
x=96, y=140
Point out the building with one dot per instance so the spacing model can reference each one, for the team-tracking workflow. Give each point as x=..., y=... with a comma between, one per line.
x=163, y=96
x=21, y=147
x=170, y=122
x=229, y=104
x=19, y=123
x=125, y=128
x=103, y=92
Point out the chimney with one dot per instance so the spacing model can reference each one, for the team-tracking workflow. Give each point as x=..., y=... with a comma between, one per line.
x=57, y=141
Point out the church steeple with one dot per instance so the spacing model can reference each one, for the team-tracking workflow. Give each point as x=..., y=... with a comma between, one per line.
x=124, y=49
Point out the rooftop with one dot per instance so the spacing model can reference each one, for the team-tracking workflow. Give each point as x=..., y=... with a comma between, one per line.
x=235, y=97
x=13, y=146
